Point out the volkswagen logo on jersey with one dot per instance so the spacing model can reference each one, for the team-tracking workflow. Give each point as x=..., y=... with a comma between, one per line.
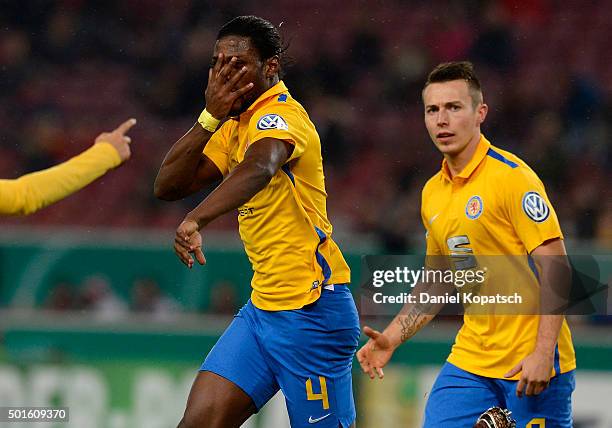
x=535, y=207
x=272, y=121
x=473, y=209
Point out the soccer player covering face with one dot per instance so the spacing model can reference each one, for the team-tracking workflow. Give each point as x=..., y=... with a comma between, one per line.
x=485, y=201
x=299, y=330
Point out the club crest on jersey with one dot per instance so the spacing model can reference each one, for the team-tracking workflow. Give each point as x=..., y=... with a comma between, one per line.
x=535, y=207
x=272, y=121
x=474, y=207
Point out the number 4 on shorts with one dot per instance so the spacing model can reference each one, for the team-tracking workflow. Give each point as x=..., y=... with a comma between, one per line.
x=322, y=396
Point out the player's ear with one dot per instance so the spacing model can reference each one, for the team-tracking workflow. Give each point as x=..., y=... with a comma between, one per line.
x=272, y=66
x=482, y=111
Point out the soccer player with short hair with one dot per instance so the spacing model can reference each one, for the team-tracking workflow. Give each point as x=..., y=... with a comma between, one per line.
x=299, y=331
x=32, y=192
x=485, y=201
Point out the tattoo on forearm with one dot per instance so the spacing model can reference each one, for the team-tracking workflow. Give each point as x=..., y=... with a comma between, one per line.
x=412, y=322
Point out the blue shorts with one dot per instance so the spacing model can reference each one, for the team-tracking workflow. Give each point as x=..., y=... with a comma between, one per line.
x=458, y=397
x=307, y=353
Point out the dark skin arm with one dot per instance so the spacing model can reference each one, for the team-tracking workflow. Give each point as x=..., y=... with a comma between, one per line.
x=261, y=162
x=185, y=169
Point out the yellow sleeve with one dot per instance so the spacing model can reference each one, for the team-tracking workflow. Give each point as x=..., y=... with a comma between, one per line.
x=31, y=192
x=216, y=149
x=529, y=209
x=283, y=122
x=432, y=247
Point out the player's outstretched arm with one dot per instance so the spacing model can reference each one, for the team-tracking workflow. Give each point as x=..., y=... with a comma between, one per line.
x=261, y=162
x=31, y=192
x=185, y=169
x=377, y=352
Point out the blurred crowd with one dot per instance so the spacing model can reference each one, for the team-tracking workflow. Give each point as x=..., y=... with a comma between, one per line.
x=97, y=296
x=71, y=69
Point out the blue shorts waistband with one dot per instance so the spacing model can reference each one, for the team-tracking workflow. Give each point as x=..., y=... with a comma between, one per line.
x=332, y=287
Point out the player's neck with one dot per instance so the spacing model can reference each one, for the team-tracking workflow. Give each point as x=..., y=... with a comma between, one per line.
x=457, y=162
x=272, y=81
x=266, y=87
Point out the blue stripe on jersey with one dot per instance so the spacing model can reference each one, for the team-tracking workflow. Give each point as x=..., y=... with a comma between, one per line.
x=320, y=259
x=533, y=267
x=282, y=98
x=556, y=363
x=287, y=171
x=501, y=158
x=322, y=237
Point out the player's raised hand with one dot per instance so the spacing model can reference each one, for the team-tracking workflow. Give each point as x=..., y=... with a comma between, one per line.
x=188, y=242
x=118, y=139
x=536, y=370
x=222, y=89
x=375, y=354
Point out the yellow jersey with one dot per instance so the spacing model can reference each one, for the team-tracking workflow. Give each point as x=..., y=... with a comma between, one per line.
x=496, y=206
x=284, y=227
x=34, y=191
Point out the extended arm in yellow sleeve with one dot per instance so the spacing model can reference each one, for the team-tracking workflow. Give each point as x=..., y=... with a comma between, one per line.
x=31, y=192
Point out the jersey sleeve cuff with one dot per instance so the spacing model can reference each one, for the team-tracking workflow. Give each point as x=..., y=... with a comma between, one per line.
x=535, y=244
x=106, y=151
